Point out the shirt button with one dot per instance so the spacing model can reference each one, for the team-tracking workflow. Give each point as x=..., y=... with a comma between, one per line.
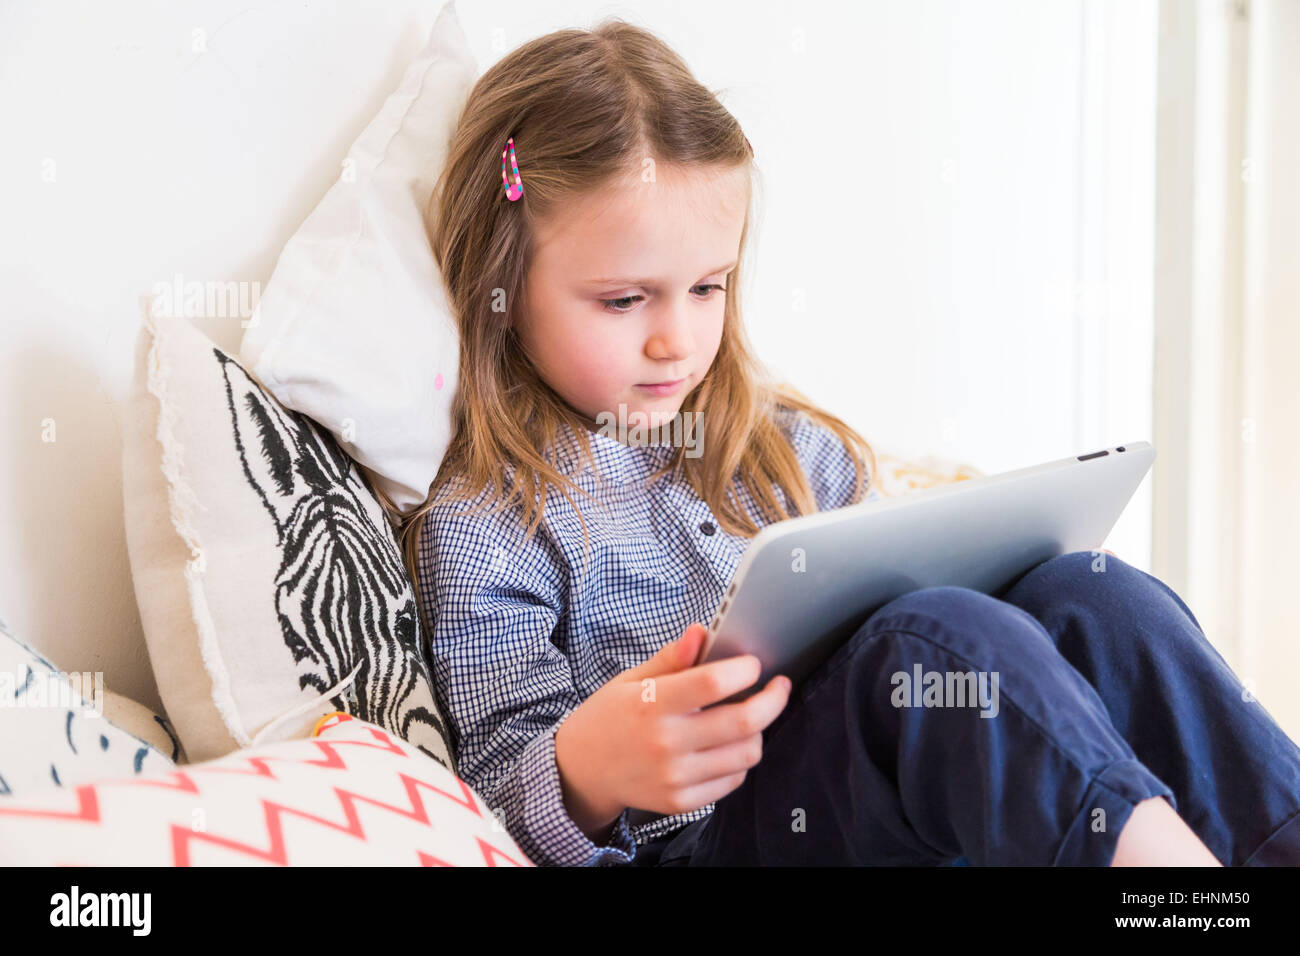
x=707, y=527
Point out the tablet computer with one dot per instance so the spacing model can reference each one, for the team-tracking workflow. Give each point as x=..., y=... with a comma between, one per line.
x=806, y=584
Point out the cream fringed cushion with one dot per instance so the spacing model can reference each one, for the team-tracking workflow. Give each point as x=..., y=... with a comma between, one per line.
x=350, y=794
x=269, y=581
x=897, y=476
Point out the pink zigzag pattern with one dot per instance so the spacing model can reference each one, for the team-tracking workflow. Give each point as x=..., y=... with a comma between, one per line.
x=88, y=806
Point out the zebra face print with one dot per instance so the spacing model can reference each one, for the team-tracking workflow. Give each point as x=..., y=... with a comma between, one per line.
x=342, y=595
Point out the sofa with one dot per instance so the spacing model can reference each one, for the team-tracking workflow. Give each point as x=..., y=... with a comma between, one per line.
x=333, y=752
x=298, y=724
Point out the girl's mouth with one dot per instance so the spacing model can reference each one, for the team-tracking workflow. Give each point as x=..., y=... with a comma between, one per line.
x=663, y=388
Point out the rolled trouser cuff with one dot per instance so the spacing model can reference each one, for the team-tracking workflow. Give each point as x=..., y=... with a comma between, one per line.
x=1106, y=807
x=1282, y=848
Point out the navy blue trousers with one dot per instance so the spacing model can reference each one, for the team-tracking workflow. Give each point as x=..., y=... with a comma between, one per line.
x=961, y=728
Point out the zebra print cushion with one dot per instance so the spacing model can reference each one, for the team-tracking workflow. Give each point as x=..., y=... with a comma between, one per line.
x=270, y=584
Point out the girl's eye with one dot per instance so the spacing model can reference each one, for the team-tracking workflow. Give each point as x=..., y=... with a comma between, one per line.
x=612, y=305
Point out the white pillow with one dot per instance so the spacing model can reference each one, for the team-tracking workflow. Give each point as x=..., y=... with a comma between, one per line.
x=61, y=729
x=353, y=328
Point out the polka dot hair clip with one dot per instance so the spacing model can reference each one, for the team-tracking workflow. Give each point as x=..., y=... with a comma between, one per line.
x=516, y=189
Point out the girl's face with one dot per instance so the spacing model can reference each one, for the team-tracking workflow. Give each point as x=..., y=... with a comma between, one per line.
x=626, y=290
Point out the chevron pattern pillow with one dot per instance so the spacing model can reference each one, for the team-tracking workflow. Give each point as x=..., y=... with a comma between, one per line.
x=350, y=794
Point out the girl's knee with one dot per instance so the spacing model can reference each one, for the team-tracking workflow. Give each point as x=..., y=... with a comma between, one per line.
x=1075, y=575
x=1108, y=592
x=963, y=622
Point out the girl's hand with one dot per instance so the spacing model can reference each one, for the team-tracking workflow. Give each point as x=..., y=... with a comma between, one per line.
x=642, y=740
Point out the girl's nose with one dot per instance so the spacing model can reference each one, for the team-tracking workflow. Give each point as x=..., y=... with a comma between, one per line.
x=671, y=337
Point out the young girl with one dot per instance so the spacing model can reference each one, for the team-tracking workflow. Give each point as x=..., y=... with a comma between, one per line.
x=563, y=564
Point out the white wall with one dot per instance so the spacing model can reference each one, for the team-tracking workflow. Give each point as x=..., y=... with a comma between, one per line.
x=955, y=254
x=130, y=158
x=961, y=195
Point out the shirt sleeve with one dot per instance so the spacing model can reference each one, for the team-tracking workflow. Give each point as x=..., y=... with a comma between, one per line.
x=493, y=603
x=832, y=472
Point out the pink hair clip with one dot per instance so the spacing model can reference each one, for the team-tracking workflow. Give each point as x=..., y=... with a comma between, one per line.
x=516, y=189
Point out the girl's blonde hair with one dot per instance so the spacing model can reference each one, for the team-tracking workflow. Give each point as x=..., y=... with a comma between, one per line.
x=585, y=107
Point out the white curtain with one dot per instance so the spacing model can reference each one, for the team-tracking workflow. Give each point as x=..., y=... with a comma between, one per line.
x=1227, y=317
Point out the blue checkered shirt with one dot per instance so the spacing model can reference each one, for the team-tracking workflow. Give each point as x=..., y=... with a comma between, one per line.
x=517, y=641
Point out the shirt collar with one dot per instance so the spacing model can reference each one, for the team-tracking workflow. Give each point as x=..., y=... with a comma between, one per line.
x=614, y=460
